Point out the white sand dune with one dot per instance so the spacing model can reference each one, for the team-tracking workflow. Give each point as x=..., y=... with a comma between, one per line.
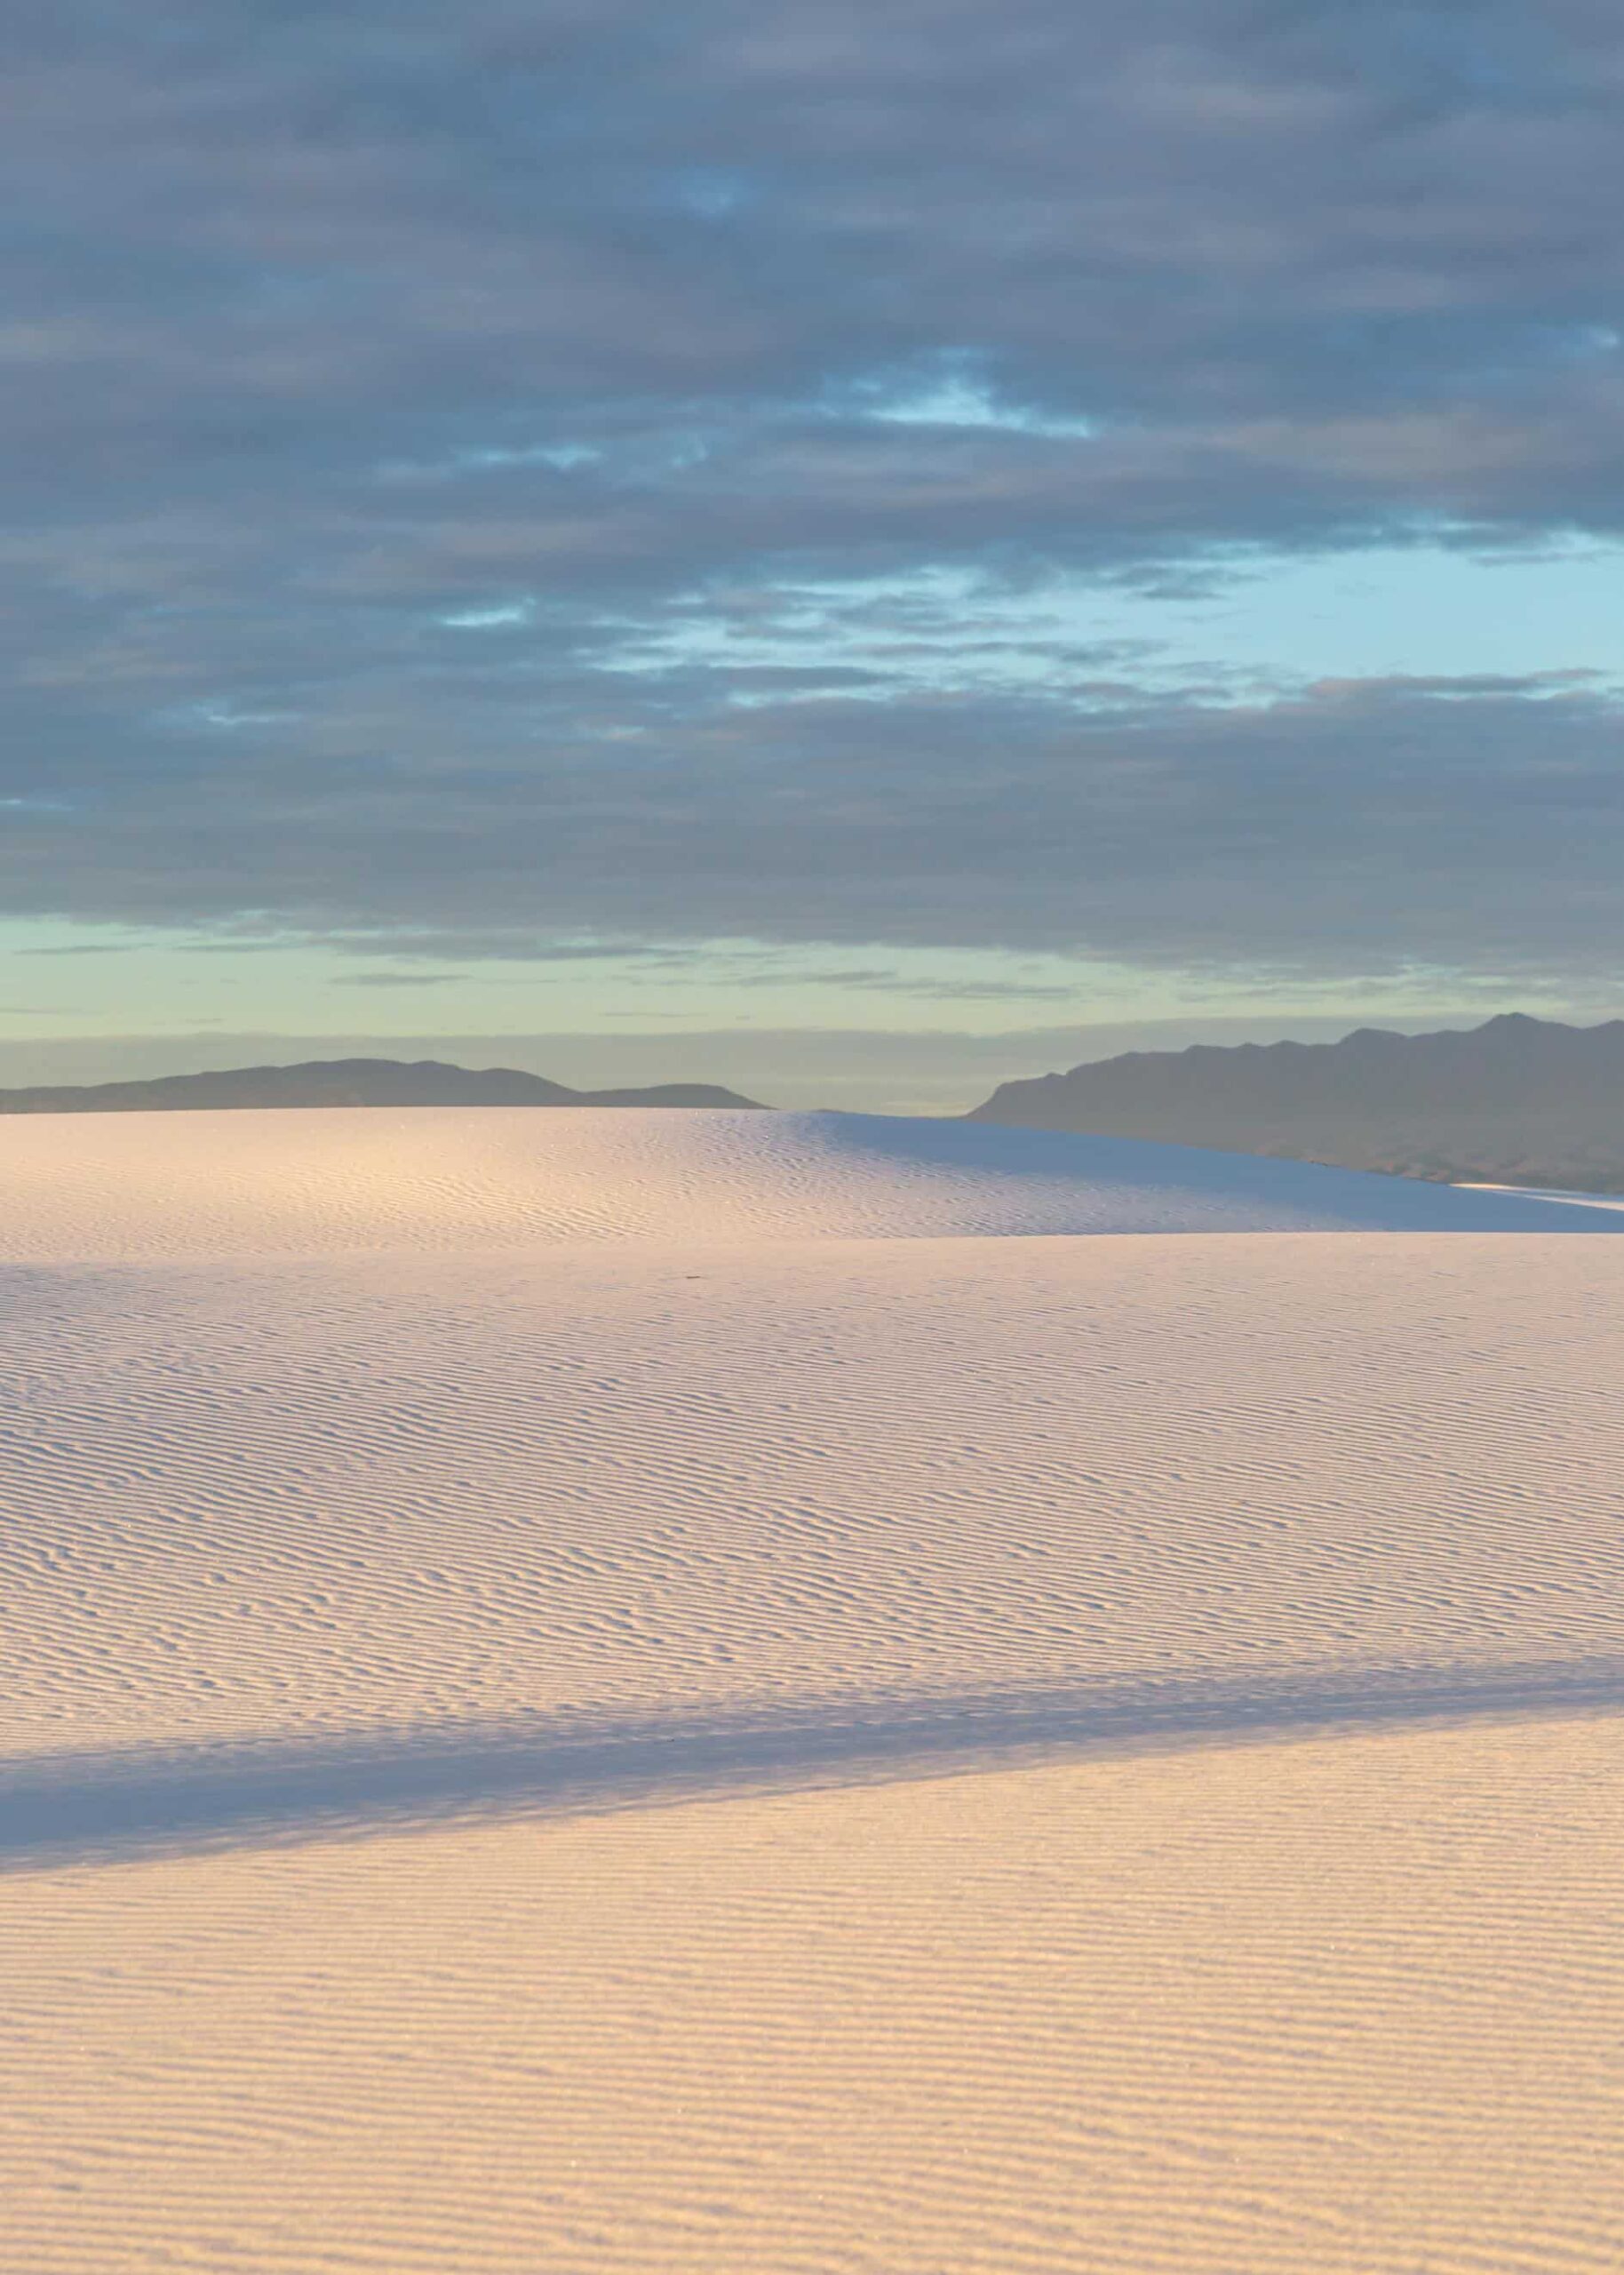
x=638, y=1692
x=144, y=1187
x=1540, y=1193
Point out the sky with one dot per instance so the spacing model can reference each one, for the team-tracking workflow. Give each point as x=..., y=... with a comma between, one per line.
x=853, y=550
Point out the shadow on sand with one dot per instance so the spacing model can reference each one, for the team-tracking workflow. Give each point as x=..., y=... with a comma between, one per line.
x=82, y=1808
x=1165, y=1176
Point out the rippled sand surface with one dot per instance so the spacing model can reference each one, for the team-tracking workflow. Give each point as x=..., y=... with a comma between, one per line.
x=768, y=1728
x=1349, y=2005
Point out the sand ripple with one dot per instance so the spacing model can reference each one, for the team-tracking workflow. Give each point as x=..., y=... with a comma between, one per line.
x=360, y=1492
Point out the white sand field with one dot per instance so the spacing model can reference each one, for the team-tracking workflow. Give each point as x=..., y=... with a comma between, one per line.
x=595, y=1691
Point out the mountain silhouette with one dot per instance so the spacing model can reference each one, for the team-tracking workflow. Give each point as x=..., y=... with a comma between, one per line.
x=1515, y=1101
x=348, y=1083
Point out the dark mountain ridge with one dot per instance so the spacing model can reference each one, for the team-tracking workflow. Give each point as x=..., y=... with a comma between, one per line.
x=1517, y=1100
x=351, y=1082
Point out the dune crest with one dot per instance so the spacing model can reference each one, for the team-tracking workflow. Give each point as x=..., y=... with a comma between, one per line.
x=150, y=1187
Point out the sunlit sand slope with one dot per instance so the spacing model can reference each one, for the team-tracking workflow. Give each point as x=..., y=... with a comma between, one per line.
x=1346, y=2009
x=144, y=1187
x=607, y=1694
x=401, y=1490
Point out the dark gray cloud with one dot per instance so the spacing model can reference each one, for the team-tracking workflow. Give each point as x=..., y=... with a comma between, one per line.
x=1354, y=829
x=399, y=400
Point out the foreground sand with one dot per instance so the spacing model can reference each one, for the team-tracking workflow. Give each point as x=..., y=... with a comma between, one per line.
x=537, y=1742
x=1348, y=2005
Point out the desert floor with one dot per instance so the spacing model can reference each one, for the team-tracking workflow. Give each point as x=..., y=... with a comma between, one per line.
x=742, y=1694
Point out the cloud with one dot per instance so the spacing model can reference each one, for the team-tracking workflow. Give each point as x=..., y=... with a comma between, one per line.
x=334, y=343
x=1359, y=828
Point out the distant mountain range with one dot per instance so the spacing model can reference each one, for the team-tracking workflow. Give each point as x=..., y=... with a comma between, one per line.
x=348, y=1081
x=1517, y=1101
